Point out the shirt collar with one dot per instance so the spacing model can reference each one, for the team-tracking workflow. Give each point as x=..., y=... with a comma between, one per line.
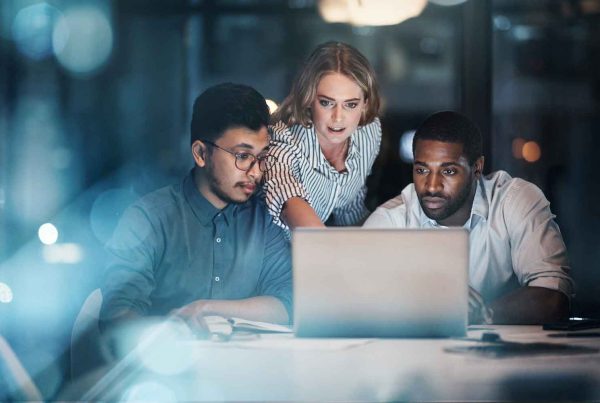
x=479, y=209
x=481, y=206
x=202, y=208
x=315, y=154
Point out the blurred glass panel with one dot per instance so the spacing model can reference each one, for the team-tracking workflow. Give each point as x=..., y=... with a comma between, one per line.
x=546, y=103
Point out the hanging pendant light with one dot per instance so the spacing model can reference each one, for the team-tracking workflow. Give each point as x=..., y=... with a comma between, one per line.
x=370, y=12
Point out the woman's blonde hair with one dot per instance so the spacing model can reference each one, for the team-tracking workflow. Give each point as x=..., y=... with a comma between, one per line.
x=327, y=58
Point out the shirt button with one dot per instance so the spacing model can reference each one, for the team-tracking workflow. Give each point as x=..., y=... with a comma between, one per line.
x=217, y=278
x=218, y=240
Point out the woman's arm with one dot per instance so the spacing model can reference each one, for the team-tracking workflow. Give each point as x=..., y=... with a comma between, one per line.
x=297, y=212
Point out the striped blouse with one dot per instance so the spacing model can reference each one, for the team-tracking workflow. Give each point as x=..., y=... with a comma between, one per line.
x=301, y=170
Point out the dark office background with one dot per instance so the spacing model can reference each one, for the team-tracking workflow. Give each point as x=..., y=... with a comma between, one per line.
x=95, y=100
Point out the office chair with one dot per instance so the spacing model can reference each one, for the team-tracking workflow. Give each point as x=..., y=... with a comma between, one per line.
x=87, y=350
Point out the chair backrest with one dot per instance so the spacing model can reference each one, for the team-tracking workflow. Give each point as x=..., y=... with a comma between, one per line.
x=86, y=347
x=15, y=382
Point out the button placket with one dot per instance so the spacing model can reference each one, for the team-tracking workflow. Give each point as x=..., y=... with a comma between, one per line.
x=220, y=251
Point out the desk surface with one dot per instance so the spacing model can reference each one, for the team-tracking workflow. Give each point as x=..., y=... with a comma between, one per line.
x=281, y=367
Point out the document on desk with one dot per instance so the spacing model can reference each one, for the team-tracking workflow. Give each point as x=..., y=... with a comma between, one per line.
x=243, y=333
x=226, y=326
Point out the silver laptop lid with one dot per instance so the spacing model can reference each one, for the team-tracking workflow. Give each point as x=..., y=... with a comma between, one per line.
x=358, y=282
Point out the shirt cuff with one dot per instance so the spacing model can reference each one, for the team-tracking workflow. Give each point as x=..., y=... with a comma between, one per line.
x=553, y=283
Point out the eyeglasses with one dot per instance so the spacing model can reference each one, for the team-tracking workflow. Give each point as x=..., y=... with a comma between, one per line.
x=245, y=161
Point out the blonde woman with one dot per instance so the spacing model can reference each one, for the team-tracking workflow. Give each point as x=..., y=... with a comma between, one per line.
x=325, y=136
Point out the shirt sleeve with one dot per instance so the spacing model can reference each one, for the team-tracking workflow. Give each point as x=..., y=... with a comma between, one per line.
x=539, y=255
x=284, y=180
x=391, y=214
x=129, y=277
x=276, y=275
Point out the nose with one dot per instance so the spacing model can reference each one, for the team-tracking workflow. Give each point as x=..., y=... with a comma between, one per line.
x=254, y=171
x=433, y=183
x=337, y=113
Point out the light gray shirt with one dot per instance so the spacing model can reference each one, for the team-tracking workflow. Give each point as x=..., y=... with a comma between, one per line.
x=514, y=240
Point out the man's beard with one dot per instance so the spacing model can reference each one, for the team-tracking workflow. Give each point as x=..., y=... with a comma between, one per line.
x=451, y=207
x=216, y=186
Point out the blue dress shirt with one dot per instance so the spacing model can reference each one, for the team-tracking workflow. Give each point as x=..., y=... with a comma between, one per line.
x=173, y=247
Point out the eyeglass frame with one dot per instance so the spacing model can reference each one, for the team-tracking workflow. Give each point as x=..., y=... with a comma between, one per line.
x=238, y=158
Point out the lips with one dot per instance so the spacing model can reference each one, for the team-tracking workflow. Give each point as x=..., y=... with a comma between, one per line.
x=433, y=203
x=248, y=188
x=336, y=130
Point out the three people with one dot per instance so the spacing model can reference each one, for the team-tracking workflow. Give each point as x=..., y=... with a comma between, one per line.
x=209, y=246
x=326, y=136
x=518, y=260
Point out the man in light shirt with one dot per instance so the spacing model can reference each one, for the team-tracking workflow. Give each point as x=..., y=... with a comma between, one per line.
x=519, y=270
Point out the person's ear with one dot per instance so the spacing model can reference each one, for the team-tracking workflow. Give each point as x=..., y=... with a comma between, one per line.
x=199, y=153
x=478, y=166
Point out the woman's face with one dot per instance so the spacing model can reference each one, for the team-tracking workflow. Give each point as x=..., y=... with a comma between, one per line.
x=337, y=108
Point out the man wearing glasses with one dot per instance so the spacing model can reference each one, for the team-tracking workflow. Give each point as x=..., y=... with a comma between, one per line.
x=206, y=246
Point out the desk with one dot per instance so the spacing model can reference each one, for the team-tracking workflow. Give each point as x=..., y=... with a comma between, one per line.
x=281, y=368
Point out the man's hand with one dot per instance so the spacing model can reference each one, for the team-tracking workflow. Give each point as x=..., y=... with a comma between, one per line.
x=264, y=308
x=531, y=305
x=193, y=315
x=478, y=311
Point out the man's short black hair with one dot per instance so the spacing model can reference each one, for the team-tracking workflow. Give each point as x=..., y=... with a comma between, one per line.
x=452, y=127
x=227, y=106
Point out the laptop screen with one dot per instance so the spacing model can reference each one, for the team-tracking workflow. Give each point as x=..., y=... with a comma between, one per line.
x=358, y=282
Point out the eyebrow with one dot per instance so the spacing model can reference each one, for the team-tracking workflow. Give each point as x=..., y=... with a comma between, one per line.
x=250, y=147
x=333, y=99
x=443, y=164
x=244, y=145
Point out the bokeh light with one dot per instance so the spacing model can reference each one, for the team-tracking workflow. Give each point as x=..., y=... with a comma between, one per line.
x=168, y=355
x=517, y=147
x=149, y=391
x=272, y=105
x=32, y=30
x=48, y=233
x=69, y=253
x=405, y=145
x=6, y=294
x=502, y=23
x=447, y=2
x=83, y=40
x=531, y=151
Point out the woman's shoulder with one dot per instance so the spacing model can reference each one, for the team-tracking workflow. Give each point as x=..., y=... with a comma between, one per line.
x=371, y=132
x=292, y=135
x=372, y=128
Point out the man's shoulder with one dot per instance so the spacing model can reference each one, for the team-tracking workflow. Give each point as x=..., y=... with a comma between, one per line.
x=504, y=188
x=161, y=201
x=396, y=212
x=404, y=200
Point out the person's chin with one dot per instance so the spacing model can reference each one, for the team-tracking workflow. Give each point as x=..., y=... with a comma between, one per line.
x=435, y=214
x=244, y=197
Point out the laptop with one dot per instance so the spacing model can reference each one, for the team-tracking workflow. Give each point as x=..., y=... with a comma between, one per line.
x=359, y=282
